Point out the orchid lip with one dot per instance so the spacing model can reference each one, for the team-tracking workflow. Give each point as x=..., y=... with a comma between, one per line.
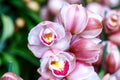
x=59, y=66
x=60, y=69
x=48, y=36
x=113, y=20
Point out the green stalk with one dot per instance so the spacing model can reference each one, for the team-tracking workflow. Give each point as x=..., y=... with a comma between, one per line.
x=102, y=69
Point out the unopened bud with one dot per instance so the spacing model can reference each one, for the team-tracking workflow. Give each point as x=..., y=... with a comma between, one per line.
x=10, y=76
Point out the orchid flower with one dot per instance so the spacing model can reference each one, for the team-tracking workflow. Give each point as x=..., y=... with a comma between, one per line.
x=73, y=17
x=86, y=50
x=112, y=21
x=94, y=26
x=48, y=35
x=56, y=64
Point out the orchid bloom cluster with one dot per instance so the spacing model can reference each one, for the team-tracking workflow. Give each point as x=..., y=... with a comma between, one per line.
x=111, y=25
x=69, y=46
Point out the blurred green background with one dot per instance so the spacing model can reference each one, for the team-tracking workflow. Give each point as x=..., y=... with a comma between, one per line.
x=17, y=17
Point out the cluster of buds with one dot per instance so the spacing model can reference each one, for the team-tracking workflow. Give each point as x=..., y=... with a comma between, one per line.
x=68, y=46
x=112, y=60
x=111, y=25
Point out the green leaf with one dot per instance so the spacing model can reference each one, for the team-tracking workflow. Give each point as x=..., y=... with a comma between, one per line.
x=8, y=28
x=0, y=61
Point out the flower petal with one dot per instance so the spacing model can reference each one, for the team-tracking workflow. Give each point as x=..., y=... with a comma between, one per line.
x=33, y=36
x=94, y=26
x=73, y=18
x=81, y=71
x=37, y=50
x=64, y=43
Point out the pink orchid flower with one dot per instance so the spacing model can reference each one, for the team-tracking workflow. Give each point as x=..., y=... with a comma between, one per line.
x=56, y=64
x=48, y=35
x=94, y=26
x=83, y=71
x=112, y=21
x=86, y=50
x=73, y=17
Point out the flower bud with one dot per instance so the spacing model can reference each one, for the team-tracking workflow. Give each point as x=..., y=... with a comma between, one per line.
x=112, y=61
x=94, y=26
x=73, y=17
x=86, y=50
x=10, y=76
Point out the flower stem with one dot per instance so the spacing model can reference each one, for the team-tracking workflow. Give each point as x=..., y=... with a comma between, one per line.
x=102, y=69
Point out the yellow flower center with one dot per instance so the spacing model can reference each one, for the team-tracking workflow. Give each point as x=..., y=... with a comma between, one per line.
x=57, y=65
x=48, y=35
x=113, y=20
